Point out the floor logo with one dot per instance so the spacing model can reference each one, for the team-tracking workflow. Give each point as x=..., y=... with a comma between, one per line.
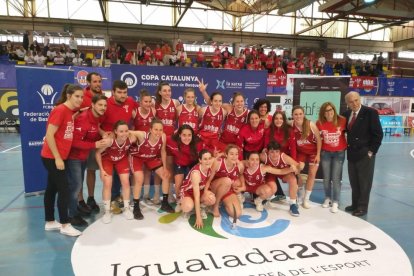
x=318, y=243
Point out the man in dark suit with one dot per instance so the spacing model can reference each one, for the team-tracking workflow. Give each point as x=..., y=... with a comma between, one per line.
x=364, y=139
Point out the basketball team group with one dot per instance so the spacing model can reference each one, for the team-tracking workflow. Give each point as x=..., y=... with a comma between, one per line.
x=215, y=154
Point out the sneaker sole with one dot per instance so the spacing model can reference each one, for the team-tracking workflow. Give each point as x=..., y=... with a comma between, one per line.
x=53, y=229
x=294, y=215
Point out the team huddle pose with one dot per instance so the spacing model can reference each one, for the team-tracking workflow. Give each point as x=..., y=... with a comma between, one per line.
x=214, y=154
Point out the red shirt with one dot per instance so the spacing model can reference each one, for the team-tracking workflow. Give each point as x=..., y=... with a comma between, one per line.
x=115, y=112
x=85, y=134
x=158, y=54
x=182, y=155
x=211, y=123
x=146, y=150
x=232, y=126
x=200, y=56
x=254, y=178
x=167, y=115
x=189, y=117
x=87, y=97
x=223, y=171
x=278, y=164
x=216, y=61
x=143, y=122
x=333, y=137
x=62, y=117
x=307, y=145
x=116, y=152
x=251, y=139
x=288, y=147
x=187, y=186
x=291, y=68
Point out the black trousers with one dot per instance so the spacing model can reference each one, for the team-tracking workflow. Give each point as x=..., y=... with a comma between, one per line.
x=361, y=174
x=57, y=184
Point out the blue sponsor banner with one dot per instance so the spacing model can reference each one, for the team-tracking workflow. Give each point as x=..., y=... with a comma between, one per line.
x=396, y=87
x=38, y=90
x=253, y=84
x=80, y=74
x=7, y=76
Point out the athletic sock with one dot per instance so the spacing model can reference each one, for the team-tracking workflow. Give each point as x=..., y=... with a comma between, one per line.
x=164, y=197
x=146, y=191
x=126, y=203
x=136, y=202
x=307, y=194
x=107, y=205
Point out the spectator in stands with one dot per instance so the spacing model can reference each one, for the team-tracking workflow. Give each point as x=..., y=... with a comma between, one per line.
x=20, y=53
x=216, y=61
x=380, y=63
x=140, y=49
x=358, y=66
x=347, y=65
x=338, y=68
x=59, y=59
x=46, y=44
x=158, y=53
x=225, y=55
x=77, y=60
x=240, y=61
x=166, y=53
x=321, y=62
x=28, y=58
x=26, y=40
x=95, y=62
x=147, y=54
x=129, y=58
x=200, y=58
x=182, y=57
x=121, y=52
x=179, y=46
x=112, y=54
x=69, y=56
x=40, y=59
x=73, y=44
x=291, y=67
x=51, y=53
x=34, y=47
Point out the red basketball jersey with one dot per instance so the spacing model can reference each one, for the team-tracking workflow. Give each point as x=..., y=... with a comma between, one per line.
x=211, y=123
x=143, y=122
x=223, y=171
x=187, y=186
x=146, y=150
x=116, y=152
x=167, y=115
x=232, y=126
x=189, y=117
x=254, y=178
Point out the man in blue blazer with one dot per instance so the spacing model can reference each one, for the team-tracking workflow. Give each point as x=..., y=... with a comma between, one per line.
x=364, y=136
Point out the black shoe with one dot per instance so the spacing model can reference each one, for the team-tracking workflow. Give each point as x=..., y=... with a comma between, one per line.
x=166, y=207
x=78, y=221
x=84, y=209
x=92, y=205
x=359, y=213
x=137, y=213
x=349, y=208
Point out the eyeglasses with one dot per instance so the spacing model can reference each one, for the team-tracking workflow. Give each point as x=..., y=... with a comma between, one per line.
x=327, y=110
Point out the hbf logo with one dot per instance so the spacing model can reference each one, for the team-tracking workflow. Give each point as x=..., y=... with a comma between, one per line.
x=130, y=79
x=47, y=94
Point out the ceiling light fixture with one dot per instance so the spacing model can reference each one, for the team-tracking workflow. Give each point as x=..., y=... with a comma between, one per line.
x=369, y=1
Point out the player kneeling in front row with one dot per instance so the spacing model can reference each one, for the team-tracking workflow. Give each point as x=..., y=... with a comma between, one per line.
x=193, y=194
x=253, y=179
x=279, y=160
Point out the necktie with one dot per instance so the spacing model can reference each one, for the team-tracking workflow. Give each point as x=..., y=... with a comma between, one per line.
x=353, y=119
